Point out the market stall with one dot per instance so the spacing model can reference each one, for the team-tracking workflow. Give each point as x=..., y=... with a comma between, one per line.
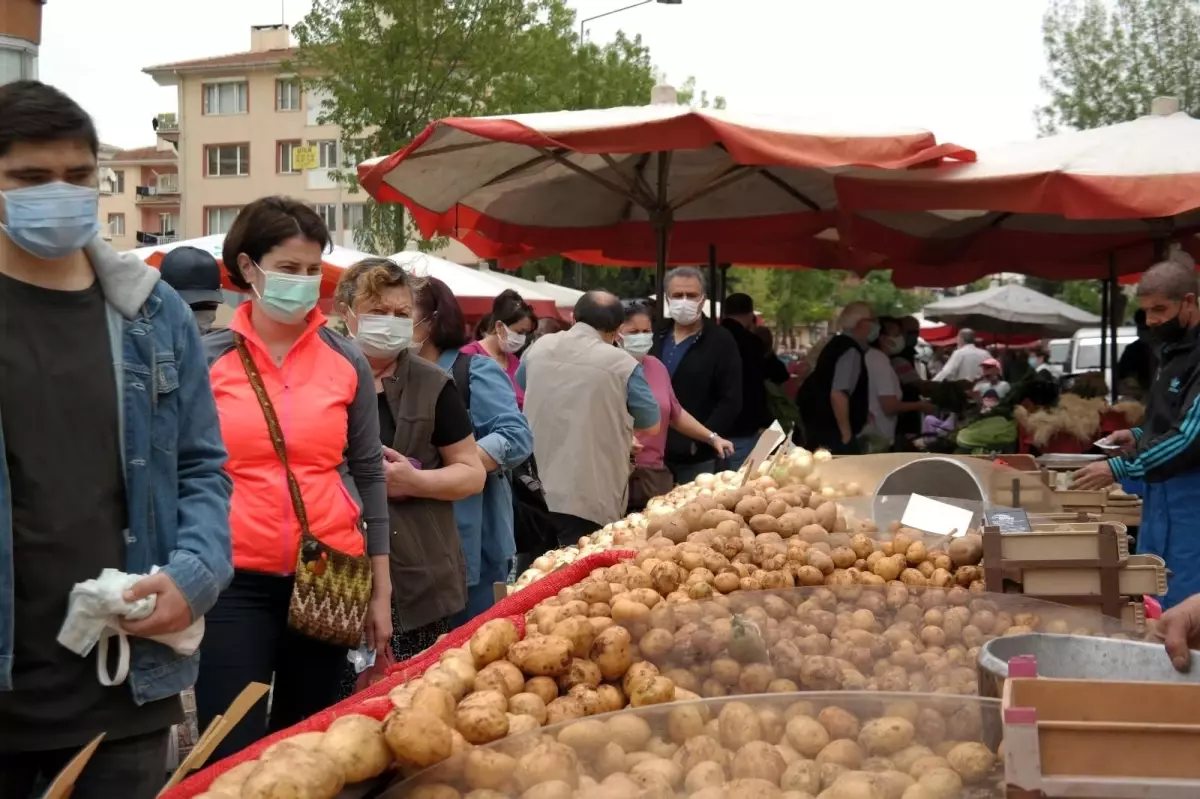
x=803, y=573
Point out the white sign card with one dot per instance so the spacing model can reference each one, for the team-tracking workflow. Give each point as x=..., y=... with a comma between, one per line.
x=938, y=518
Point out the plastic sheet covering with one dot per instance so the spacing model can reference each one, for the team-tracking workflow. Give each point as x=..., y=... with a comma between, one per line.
x=754, y=746
x=374, y=701
x=849, y=637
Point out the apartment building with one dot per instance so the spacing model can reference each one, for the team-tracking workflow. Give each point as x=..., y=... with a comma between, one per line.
x=20, y=35
x=140, y=195
x=242, y=130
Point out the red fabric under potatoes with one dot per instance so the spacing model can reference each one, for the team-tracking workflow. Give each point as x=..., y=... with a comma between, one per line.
x=374, y=700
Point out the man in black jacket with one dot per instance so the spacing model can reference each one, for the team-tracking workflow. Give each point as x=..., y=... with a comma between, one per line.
x=835, y=399
x=706, y=371
x=758, y=366
x=1165, y=451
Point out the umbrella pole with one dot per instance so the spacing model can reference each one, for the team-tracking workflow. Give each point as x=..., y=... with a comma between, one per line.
x=660, y=217
x=724, y=283
x=712, y=281
x=1104, y=320
x=1116, y=323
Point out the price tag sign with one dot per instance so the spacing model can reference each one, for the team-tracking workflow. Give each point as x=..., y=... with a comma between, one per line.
x=1009, y=520
x=938, y=518
x=771, y=438
x=304, y=158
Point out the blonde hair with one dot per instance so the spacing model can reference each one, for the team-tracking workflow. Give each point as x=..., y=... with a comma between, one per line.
x=369, y=279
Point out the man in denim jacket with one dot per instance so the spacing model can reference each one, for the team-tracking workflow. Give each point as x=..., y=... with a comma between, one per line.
x=112, y=459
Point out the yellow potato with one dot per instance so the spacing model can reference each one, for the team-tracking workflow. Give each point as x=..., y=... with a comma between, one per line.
x=492, y=640
x=356, y=743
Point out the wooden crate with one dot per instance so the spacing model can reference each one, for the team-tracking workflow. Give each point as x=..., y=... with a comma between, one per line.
x=1101, y=739
x=1095, y=579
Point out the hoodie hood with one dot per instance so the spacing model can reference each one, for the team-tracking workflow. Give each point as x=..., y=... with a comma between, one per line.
x=125, y=279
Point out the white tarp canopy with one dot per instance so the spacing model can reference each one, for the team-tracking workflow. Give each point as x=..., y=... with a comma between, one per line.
x=1010, y=309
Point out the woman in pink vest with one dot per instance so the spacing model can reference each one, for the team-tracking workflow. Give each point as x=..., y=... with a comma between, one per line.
x=503, y=333
x=650, y=477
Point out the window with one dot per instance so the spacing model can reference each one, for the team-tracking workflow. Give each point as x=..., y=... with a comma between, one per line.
x=287, y=94
x=116, y=224
x=16, y=62
x=226, y=98
x=329, y=213
x=219, y=220
x=118, y=181
x=327, y=153
x=227, y=160
x=167, y=223
x=283, y=157
x=355, y=216
x=315, y=101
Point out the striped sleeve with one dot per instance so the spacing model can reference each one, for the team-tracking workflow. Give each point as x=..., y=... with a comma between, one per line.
x=1181, y=442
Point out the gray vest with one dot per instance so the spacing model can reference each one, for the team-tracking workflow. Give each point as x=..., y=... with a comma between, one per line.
x=575, y=399
x=429, y=571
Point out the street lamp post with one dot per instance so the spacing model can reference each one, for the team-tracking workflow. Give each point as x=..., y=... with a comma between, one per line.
x=585, y=21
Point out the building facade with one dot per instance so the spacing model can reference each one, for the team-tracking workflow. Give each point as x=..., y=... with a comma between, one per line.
x=140, y=195
x=242, y=127
x=20, y=36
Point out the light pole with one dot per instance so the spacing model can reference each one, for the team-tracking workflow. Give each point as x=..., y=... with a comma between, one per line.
x=585, y=21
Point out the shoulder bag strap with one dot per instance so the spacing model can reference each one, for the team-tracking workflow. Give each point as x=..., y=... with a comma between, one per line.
x=461, y=372
x=273, y=427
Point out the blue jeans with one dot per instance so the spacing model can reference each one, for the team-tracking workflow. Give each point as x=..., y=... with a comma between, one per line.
x=742, y=447
x=482, y=595
x=687, y=472
x=1168, y=530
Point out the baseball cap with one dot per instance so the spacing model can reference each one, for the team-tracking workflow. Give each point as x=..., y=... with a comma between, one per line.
x=193, y=273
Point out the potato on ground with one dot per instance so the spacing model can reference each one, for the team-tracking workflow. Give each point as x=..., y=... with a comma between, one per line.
x=298, y=774
x=492, y=640
x=481, y=724
x=548, y=762
x=611, y=652
x=488, y=769
x=545, y=656
x=417, y=738
x=528, y=704
x=973, y=761
x=356, y=743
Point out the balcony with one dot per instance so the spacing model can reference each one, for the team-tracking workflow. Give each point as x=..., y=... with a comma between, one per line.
x=164, y=192
x=145, y=239
x=166, y=126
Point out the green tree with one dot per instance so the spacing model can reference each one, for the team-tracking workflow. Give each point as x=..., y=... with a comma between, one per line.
x=1107, y=59
x=688, y=94
x=790, y=298
x=390, y=67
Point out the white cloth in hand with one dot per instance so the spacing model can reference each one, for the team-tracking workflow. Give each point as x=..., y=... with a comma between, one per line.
x=94, y=615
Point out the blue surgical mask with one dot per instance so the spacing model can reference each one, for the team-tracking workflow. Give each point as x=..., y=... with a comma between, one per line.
x=874, y=333
x=1033, y=364
x=288, y=298
x=637, y=344
x=53, y=220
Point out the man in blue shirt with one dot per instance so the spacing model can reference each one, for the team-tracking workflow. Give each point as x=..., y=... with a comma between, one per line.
x=584, y=399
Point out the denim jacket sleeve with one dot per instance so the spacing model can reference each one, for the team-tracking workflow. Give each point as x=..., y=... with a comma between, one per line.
x=501, y=430
x=202, y=563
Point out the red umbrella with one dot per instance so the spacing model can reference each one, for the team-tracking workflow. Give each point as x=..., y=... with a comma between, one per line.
x=1057, y=206
x=672, y=180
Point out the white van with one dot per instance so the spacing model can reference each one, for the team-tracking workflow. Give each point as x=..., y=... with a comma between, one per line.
x=1085, y=351
x=1058, y=353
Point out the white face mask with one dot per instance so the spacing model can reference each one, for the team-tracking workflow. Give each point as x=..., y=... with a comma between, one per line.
x=685, y=312
x=383, y=336
x=205, y=318
x=637, y=344
x=511, y=341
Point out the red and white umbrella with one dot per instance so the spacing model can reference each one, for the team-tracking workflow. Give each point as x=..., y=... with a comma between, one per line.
x=474, y=292
x=627, y=183
x=1059, y=206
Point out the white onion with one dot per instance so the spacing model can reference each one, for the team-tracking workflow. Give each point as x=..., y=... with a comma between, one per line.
x=822, y=455
x=706, y=480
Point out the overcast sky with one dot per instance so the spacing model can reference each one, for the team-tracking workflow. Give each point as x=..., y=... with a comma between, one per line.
x=966, y=69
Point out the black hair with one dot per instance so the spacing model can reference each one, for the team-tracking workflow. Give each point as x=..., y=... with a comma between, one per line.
x=601, y=310
x=265, y=224
x=637, y=307
x=737, y=305
x=31, y=111
x=510, y=308
x=440, y=309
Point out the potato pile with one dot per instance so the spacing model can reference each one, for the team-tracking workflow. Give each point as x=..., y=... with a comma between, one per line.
x=796, y=746
x=315, y=765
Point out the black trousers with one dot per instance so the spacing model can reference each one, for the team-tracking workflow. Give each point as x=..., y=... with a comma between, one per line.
x=571, y=528
x=247, y=639
x=130, y=768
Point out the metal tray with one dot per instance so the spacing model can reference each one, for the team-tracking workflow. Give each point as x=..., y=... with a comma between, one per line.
x=1082, y=658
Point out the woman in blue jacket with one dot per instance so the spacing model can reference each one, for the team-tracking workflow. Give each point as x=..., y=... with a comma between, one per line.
x=503, y=436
